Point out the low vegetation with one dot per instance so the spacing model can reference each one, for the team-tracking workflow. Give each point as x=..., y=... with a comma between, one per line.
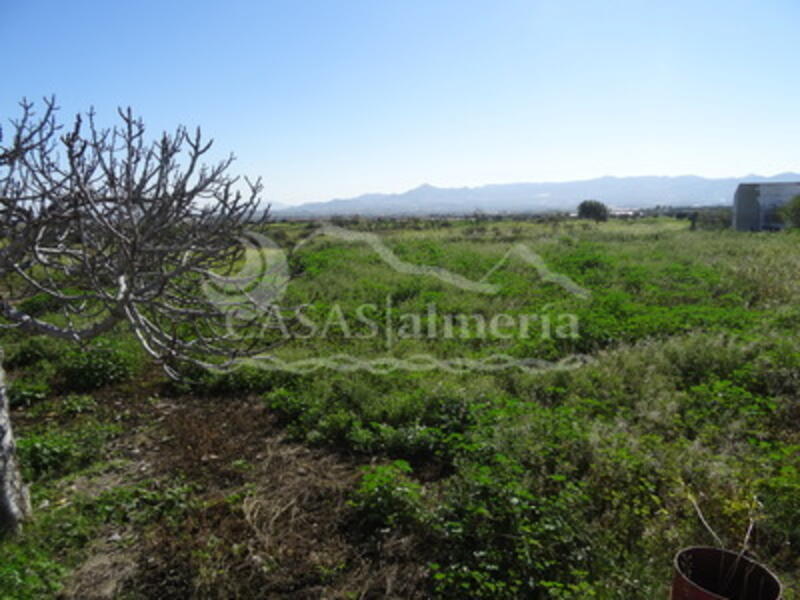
x=567, y=483
x=790, y=213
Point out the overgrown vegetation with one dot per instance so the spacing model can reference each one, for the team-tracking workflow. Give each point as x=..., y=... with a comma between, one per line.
x=790, y=212
x=578, y=483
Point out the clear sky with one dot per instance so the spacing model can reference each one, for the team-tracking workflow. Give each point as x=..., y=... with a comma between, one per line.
x=333, y=98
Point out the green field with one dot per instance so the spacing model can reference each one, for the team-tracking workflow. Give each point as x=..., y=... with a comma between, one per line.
x=671, y=390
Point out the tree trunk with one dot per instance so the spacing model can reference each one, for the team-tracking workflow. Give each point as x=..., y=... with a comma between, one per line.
x=15, y=503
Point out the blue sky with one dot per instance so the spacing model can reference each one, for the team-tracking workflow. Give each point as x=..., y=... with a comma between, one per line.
x=336, y=98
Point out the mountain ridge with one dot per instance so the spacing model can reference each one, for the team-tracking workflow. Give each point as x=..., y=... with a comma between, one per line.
x=622, y=192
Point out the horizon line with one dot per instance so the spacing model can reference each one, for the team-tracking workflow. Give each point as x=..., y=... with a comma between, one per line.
x=282, y=204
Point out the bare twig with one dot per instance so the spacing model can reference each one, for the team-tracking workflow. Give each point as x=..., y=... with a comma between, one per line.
x=703, y=520
x=117, y=228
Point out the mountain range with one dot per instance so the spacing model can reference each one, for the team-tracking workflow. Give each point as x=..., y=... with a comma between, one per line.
x=617, y=192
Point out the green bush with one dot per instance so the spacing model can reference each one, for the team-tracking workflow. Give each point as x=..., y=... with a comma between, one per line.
x=494, y=538
x=144, y=503
x=40, y=304
x=719, y=405
x=593, y=209
x=76, y=404
x=27, y=393
x=28, y=573
x=99, y=365
x=33, y=350
x=790, y=212
x=58, y=453
x=45, y=454
x=387, y=498
x=243, y=380
x=779, y=491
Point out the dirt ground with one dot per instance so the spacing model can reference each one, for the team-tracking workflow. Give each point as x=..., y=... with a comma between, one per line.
x=263, y=518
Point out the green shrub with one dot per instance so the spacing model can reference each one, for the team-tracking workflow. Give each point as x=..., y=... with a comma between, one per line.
x=494, y=538
x=593, y=209
x=144, y=503
x=48, y=453
x=40, y=304
x=387, y=498
x=33, y=350
x=28, y=573
x=27, y=393
x=76, y=404
x=779, y=491
x=790, y=212
x=409, y=441
x=715, y=219
x=718, y=405
x=58, y=453
x=244, y=380
x=94, y=367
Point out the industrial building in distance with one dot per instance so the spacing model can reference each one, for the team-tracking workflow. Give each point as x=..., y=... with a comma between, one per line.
x=756, y=205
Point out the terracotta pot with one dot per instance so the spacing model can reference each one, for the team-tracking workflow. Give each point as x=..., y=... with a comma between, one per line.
x=703, y=573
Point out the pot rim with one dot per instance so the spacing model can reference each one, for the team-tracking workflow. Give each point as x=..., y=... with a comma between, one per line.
x=741, y=555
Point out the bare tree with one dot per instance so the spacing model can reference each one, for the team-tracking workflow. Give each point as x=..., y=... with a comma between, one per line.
x=116, y=228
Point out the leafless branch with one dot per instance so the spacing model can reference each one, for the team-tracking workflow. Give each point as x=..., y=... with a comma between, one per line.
x=119, y=228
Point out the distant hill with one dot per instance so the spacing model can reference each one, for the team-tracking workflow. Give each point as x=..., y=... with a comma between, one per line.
x=621, y=192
